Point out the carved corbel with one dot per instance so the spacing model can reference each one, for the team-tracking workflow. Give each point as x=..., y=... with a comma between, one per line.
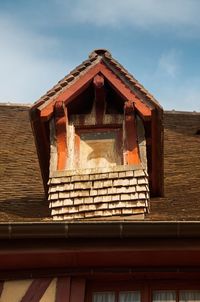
x=99, y=87
x=131, y=152
x=61, y=121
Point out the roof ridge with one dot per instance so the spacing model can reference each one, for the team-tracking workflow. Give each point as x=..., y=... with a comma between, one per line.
x=96, y=56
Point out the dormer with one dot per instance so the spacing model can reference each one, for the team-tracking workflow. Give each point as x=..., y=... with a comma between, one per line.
x=98, y=134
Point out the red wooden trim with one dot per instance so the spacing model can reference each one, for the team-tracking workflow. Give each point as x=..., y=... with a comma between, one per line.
x=1, y=287
x=83, y=82
x=131, y=154
x=36, y=290
x=63, y=290
x=125, y=92
x=61, y=135
x=71, y=92
x=99, y=98
x=77, y=290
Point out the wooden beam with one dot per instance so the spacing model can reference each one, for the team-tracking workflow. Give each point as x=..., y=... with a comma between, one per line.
x=99, y=98
x=131, y=154
x=42, y=144
x=36, y=290
x=63, y=289
x=61, y=121
x=125, y=92
x=77, y=290
x=72, y=91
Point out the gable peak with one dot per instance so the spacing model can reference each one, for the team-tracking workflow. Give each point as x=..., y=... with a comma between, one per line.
x=100, y=52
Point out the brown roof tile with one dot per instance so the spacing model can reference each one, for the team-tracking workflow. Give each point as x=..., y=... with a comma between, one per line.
x=21, y=190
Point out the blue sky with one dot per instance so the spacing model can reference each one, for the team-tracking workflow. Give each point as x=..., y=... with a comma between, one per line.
x=158, y=41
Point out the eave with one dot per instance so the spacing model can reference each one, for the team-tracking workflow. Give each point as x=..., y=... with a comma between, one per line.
x=91, y=230
x=100, y=250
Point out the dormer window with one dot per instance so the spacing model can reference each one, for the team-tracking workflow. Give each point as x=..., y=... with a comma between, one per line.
x=99, y=148
x=105, y=142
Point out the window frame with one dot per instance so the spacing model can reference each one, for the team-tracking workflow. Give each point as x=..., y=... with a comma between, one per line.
x=146, y=288
x=118, y=129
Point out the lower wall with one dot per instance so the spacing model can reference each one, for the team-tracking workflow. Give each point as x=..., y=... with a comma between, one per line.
x=79, y=289
x=43, y=290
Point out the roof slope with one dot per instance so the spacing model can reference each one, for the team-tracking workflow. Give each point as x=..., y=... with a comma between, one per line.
x=21, y=190
x=96, y=56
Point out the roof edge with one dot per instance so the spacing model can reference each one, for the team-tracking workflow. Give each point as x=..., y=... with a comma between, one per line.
x=106, y=230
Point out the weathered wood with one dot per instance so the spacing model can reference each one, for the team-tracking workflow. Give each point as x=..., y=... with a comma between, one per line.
x=99, y=98
x=63, y=290
x=141, y=141
x=36, y=290
x=53, y=147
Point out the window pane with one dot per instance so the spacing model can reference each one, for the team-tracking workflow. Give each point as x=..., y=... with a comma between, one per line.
x=164, y=296
x=129, y=297
x=103, y=297
x=189, y=296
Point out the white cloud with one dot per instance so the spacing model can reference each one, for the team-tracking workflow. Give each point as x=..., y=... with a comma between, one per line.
x=183, y=97
x=169, y=64
x=136, y=12
x=26, y=70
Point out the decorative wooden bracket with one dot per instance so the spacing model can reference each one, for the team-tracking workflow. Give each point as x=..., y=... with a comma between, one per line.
x=131, y=154
x=61, y=121
x=99, y=98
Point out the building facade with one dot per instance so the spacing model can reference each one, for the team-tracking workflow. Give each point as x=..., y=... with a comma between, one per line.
x=100, y=199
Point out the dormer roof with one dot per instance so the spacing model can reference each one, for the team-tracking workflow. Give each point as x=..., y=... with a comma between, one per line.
x=101, y=62
x=99, y=56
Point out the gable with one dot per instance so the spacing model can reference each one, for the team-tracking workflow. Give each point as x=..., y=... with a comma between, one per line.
x=123, y=85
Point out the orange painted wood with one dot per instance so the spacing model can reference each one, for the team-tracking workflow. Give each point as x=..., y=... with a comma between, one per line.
x=131, y=154
x=77, y=290
x=125, y=92
x=61, y=135
x=36, y=290
x=71, y=92
x=63, y=289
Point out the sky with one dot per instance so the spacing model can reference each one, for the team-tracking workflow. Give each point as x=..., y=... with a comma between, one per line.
x=158, y=41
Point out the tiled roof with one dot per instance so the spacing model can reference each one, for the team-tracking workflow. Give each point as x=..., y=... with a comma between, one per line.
x=99, y=55
x=21, y=189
